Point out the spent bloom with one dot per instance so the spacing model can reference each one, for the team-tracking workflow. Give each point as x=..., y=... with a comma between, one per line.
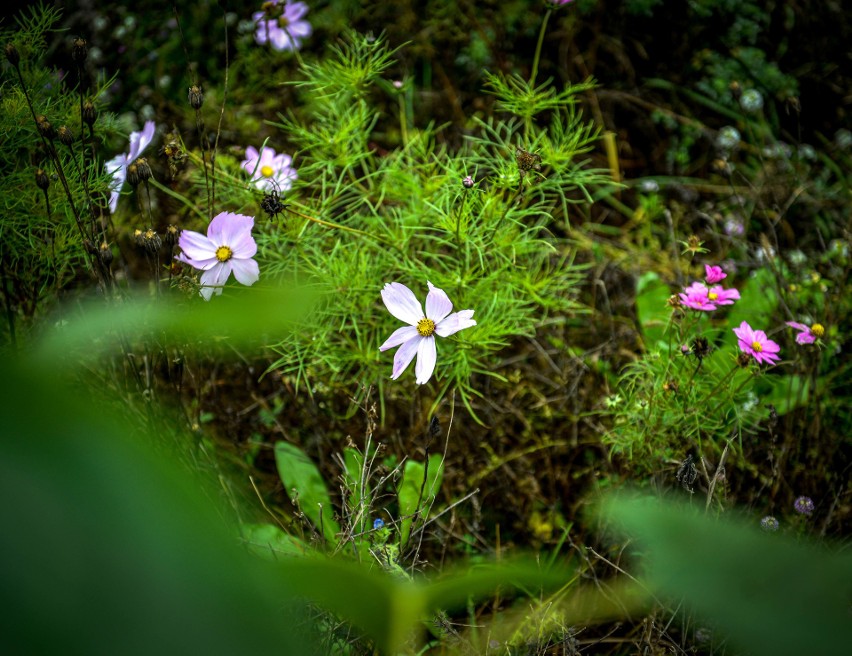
x=804, y=505
x=714, y=274
x=769, y=524
x=756, y=344
x=282, y=25
x=418, y=337
x=117, y=166
x=268, y=170
x=228, y=247
x=807, y=334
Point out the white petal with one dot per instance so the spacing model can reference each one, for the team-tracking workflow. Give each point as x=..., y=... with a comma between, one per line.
x=455, y=322
x=438, y=304
x=401, y=303
x=245, y=271
x=399, y=336
x=216, y=277
x=427, y=356
x=404, y=356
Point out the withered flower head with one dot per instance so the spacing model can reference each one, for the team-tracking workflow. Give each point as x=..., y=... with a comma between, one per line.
x=105, y=253
x=700, y=347
x=79, y=50
x=44, y=127
x=90, y=115
x=143, y=169
x=527, y=161
x=743, y=360
x=133, y=175
x=42, y=179
x=196, y=96
x=12, y=55
x=66, y=137
x=271, y=204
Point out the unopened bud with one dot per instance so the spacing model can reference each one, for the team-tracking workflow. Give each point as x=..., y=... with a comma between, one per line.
x=196, y=96
x=79, y=51
x=45, y=129
x=12, y=54
x=42, y=180
x=467, y=182
x=90, y=114
x=66, y=137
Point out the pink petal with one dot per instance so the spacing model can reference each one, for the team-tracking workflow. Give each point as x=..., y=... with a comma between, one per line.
x=438, y=304
x=229, y=229
x=202, y=265
x=805, y=337
x=250, y=163
x=401, y=303
x=427, y=356
x=279, y=38
x=215, y=278
x=139, y=140
x=455, y=322
x=294, y=11
x=399, y=336
x=404, y=356
x=245, y=271
x=196, y=246
x=300, y=29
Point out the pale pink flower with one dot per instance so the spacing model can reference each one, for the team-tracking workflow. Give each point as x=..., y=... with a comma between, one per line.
x=117, y=166
x=418, y=337
x=757, y=344
x=807, y=334
x=714, y=274
x=283, y=27
x=268, y=170
x=228, y=247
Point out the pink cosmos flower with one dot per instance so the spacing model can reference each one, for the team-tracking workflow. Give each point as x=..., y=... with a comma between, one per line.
x=807, y=334
x=757, y=344
x=696, y=297
x=721, y=296
x=282, y=26
x=714, y=274
x=269, y=171
x=117, y=166
x=418, y=337
x=227, y=247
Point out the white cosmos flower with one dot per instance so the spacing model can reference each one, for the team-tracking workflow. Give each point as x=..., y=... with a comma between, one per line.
x=418, y=337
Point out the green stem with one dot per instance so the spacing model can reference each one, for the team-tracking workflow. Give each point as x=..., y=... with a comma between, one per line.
x=176, y=196
x=538, y=47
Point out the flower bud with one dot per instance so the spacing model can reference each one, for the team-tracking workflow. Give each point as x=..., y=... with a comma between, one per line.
x=467, y=182
x=196, y=96
x=79, y=51
x=90, y=114
x=42, y=180
x=12, y=54
x=66, y=137
x=45, y=129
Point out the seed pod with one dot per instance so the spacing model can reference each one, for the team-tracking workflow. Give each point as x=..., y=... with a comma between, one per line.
x=12, y=54
x=90, y=114
x=143, y=169
x=66, y=137
x=196, y=96
x=79, y=51
x=44, y=127
x=42, y=180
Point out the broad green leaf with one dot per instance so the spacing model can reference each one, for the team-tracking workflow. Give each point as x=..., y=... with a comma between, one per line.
x=415, y=497
x=652, y=311
x=304, y=485
x=769, y=594
x=271, y=542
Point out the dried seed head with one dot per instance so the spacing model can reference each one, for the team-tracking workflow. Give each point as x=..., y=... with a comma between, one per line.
x=743, y=360
x=527, y=161
x=700, y=347
x=90, y=114
x=66, y=137
x=105, y=253
x=79, y=51
x=42, y=180
x=133, y=178
x=271, y=204
x=44, y=127
x=149, y=240
x=196, y=96
x=172, y=235
x=12, y=54
x=143, y=169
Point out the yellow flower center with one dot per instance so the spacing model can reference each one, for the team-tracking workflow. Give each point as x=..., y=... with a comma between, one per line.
x=223, y=253
x=818, y=330
x=425, y=327
x=756, y=346
x=712, y=296
x=267, y=171
x=283, y=23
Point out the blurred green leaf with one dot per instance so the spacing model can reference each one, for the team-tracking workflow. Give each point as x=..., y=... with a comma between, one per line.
x=271, y=542
x=304, y=484
x=417, y=491
x=652, y=310
x=769, y=595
